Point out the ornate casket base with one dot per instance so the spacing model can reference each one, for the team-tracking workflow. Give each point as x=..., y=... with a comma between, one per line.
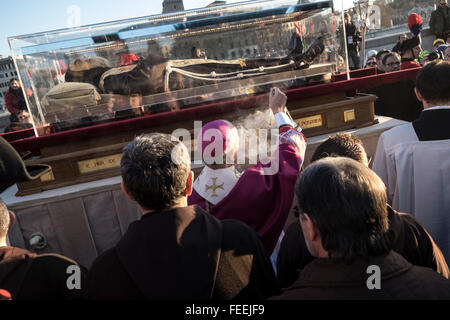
x=334, y=112
x=98, y=157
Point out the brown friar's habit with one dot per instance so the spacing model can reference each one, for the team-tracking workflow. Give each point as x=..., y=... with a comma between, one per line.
x=325, y=279
x=28, y=276
x=180, y=254
x=406, y=235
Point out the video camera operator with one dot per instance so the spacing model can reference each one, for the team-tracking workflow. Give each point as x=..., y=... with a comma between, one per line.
x=353, y=38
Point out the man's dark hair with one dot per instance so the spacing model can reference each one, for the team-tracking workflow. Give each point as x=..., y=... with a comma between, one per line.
x=341, y=145
x=433, y=83
x=390, y=54
x=4, y=219
x=381, y=52
x=155, y=169
x=347, y=203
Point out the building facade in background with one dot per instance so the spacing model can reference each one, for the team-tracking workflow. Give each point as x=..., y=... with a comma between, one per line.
x=172, y=6
x=7, y=72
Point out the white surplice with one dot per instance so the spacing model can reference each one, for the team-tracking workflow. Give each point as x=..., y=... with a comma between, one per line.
x=417, y=177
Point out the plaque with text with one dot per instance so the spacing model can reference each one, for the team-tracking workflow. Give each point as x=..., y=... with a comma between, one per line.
x=310, y=122
x=98, y=164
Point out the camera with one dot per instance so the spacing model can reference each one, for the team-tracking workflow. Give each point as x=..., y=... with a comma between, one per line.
x=435, y=55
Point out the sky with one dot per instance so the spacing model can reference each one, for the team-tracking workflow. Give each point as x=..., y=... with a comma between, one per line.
x=31, y=16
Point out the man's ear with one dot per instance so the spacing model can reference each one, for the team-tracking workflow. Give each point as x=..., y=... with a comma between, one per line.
x=189, y=184
x=309, y=228
x=418, y=95
x=126, y=192
x=12, y=219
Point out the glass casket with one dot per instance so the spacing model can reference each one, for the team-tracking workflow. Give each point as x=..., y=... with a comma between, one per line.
x=145, y=66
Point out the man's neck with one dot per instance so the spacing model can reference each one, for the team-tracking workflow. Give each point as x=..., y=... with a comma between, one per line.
x=428, y=105
x=316, y=249
x=322, y=253
x=219, y=166
x=182, y=203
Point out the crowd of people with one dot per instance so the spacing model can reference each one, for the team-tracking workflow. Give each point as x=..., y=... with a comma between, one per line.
x=359, y=233
x=398, y=100
x=407, y=53
x=408, y=50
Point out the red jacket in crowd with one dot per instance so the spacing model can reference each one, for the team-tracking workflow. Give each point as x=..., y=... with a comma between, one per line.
x=11, y=102
x=409, y=65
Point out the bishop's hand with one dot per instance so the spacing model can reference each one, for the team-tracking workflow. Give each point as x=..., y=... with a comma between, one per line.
x=277, y=100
